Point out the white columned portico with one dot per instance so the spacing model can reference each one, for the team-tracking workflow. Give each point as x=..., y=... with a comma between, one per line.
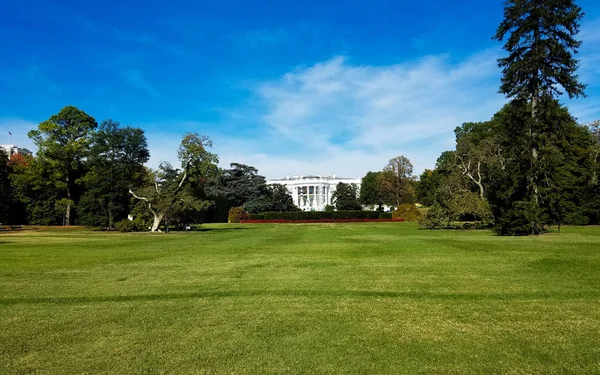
x=312, y=192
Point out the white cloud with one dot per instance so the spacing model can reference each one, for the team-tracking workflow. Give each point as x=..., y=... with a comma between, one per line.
x=339, y=117
x=136, y=78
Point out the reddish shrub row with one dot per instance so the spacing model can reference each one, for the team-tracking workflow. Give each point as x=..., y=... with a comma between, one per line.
x=317, y=221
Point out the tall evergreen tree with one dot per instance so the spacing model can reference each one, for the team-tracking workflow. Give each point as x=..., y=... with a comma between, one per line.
x=541, y=44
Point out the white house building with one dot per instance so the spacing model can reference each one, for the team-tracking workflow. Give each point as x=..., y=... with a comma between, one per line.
x=312, y=193
x=11, y=150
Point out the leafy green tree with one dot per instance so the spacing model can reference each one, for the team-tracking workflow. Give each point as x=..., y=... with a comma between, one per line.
x=369, y=191
x=169, y=191
x=429, y=181
x=345, y=197
x=63, y=141
x=5, y=192
x=540, y=42
x=239, y=184
x=478, y=151
x=395, y=182
x=115, y=165
x=33, y=184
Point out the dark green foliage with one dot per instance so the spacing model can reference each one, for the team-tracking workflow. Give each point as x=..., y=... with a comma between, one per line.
x=63, y=141
x=562, y=162
x=369, y=191
x=385, y=215
x=428, y=184
x=136, y=225
x=238, y=185
x=116, y=164
x=275, y=198
x=345, y=197
x=34, y=190
x=540, y=41
x=241, y=185
x=329, y=208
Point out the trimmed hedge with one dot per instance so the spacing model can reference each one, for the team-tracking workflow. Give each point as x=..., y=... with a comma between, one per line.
x=319, y=215
x=320, y=221
x=385, y=215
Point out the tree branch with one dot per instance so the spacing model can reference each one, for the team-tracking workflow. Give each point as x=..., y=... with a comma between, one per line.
x=143, y=199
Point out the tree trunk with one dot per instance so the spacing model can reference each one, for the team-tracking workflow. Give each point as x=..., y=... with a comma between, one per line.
x=110, y=218
x=157, y=219
x=481, y=190
x=68, y=209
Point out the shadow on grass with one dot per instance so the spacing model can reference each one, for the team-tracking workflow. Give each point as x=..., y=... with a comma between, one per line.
x=214, y=229
x=304, y=293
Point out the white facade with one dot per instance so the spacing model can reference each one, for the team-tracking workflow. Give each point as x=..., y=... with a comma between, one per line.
x=11, y=150
x=312, y=193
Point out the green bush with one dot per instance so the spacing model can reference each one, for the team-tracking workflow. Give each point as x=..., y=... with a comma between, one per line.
x=345, y=215
x=236, y=214
x=408, y=212
x=136, y=225
x=329, y=208
x=256, y=217
x=436, y=217
x=385, y=215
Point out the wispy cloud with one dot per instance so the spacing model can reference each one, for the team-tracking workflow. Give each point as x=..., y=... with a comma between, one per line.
x=33, y=75
x=135, y=77
x=338, y=117
x=336, y=111
x=135, y=37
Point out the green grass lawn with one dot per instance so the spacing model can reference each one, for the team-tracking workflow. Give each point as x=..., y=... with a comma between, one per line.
x=371, y=298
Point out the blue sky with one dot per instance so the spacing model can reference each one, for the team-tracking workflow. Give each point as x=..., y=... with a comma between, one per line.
x=292, y=87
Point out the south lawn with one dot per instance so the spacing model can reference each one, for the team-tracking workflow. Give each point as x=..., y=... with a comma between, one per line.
x=372, y=298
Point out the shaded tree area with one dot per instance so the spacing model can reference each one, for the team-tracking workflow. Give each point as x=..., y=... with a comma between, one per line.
x=370, y=194
x=242, y=186
x=115, y=165
x=95, y=175
x=486, y=178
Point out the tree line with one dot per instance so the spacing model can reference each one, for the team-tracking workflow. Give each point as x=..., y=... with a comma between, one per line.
x=93, y=174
